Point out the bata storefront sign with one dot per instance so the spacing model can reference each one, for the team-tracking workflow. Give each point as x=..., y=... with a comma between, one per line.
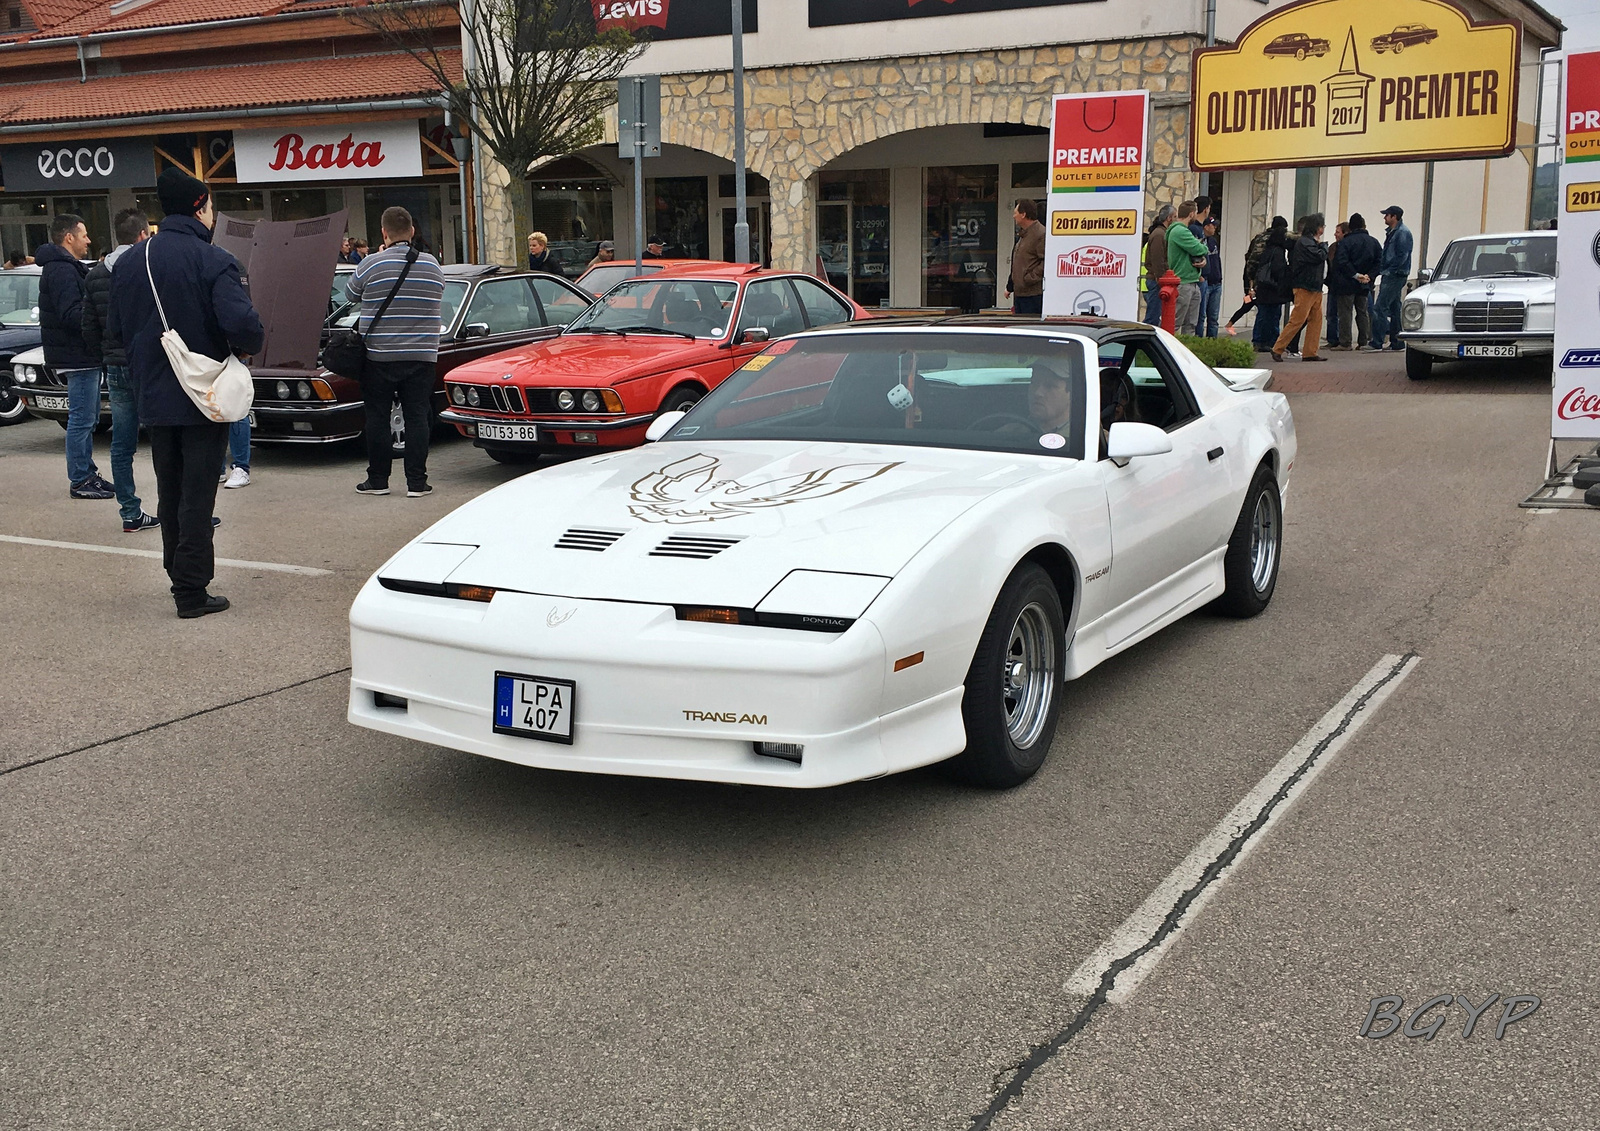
x=1575, y=412
x=1097, y=161
x=63, y=166
x=322, y=153
x=1333, y=82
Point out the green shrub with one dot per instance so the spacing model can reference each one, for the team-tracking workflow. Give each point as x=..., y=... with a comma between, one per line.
x=1221, y=353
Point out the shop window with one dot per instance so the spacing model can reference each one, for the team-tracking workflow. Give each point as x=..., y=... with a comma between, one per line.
x=853, y=232
x=424, y=202
x=96, y=213
x=243, y=204
x=960, y=236
x=576, y=215
x=1029, y=174
x=682, y=216
x=24, y=223
x=1307, y=194
x=754, y=185
x=305, y=204
x=759, y=217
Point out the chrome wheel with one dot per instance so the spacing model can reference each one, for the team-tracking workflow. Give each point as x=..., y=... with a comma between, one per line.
x=1265, y=537
x=397, y=427
x=1028, y=683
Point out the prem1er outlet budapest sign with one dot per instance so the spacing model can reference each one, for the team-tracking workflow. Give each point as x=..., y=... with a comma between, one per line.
x=345, y=152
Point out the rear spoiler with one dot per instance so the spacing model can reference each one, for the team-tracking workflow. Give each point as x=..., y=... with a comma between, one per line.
x=1242, y=379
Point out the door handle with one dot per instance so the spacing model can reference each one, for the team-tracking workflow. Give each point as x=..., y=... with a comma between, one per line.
x=1214, y=455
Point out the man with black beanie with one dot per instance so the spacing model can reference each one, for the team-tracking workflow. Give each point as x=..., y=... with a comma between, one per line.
x=204, y=300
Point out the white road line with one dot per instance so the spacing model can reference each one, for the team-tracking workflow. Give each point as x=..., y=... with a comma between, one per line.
x=1307, y=759
x=129, y=552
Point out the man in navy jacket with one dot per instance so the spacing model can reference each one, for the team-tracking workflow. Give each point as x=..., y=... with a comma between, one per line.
x=205, y=302
x=61, y=334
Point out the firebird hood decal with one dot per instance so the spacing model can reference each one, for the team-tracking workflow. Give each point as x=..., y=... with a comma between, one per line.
x=688, y=490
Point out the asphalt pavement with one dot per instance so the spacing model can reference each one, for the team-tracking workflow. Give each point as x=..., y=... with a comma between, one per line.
x=220, y=905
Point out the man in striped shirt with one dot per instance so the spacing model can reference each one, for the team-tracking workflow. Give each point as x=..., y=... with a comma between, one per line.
x=402, y=351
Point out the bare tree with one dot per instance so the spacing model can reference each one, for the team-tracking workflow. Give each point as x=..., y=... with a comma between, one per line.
x=530, y=78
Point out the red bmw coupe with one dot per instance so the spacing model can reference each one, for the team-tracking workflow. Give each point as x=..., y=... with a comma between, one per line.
x=653, y=344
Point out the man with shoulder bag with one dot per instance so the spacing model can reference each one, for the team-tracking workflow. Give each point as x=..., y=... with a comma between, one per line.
x=394, y=350
x=177, y=298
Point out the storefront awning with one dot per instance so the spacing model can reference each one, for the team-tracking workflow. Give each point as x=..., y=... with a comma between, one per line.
x=302, y=85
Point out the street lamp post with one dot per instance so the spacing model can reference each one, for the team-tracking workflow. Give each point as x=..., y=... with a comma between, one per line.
x=741, y=221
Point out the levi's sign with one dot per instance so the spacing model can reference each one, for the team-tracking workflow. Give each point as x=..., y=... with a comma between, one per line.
x=1332, y=82
x=363, y=151
x=123, y=162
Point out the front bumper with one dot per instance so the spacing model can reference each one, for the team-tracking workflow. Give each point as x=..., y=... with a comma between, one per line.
x=31, y=393
x=275, y=422
x=1446, y=343
x=556, y=433
x=656, y=697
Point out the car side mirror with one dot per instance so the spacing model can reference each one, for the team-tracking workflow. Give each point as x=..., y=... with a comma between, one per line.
x=1129, y=439
x=1424, y=276
x=662, y=424
x=475, y=330
x=755, y=334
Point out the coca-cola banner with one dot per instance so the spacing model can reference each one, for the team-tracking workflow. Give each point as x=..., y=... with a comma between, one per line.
x=362, y=151
x=1575, y=411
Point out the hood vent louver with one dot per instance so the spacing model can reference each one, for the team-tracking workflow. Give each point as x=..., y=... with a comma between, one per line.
x=692, y=546
x=588, y=538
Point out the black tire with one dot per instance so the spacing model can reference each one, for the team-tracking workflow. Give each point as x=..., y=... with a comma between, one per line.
x=1419, y=365
x=12, y=408
x=1249, y=588
x=682, y=399
x=511, y=457
x=1010, y=727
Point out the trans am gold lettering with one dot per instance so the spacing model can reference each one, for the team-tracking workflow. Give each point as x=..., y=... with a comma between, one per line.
x=725, y=717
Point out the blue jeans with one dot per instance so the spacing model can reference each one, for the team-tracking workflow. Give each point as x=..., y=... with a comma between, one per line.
x=1210, y=310
x=1152, y=304
x=1268, y=318
x=239, y=443
x=124, y=439
x=83, y=413
x=1386, y=310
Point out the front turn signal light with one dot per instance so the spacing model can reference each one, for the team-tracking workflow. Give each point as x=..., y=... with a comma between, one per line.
x=711, y=616
x=612, y=401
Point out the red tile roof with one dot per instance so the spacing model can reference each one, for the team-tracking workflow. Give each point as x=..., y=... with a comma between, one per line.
x=48, y=13
x=160, y=13
x=307, y=82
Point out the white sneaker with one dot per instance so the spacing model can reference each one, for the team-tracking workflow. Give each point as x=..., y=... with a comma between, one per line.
x=238, y=477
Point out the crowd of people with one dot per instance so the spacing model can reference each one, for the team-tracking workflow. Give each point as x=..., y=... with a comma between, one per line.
x=126, y=316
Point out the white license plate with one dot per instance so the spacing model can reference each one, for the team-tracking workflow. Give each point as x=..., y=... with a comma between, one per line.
x=527, y=433
x=51, y=402
x=531, y=706
x=251, y=417
x=1465, y=350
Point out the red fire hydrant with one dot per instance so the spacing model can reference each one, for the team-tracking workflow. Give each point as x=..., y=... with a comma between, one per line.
x=1169, y=301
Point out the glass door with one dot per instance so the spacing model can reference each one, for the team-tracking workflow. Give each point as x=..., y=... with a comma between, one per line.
x=833, y=241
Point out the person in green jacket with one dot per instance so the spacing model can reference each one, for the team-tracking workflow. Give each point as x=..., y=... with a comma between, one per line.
x=1186, y=255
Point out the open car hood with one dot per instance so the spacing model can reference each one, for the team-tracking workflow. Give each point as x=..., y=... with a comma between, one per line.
x=720, y=524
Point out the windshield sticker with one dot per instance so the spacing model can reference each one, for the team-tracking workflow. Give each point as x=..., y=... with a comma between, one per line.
x=688, y=490
x=689, y=431
x=760, y=361
x=899, y=397
x=780, y=347
x=1052, y=440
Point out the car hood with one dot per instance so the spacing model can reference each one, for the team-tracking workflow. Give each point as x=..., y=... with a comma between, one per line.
x=593, y=359
x=1505, y=288
x=33, y=355
x=14, y=338
x=844, y=508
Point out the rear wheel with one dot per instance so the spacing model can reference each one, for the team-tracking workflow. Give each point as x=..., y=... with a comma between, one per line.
x=682, y=399
x=1013, y=688
x=1419, y=365
x=1255, y=549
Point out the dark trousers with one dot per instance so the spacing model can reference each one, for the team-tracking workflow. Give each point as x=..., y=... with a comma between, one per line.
x=1027, y=304
x=186, y=457
x=413, y=382
x=1354, y=322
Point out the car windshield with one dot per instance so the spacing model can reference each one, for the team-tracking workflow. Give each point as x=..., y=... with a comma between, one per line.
x=988, y=392
x=19, y=299
x=691, y=308
x=602, y=279
x=341, y=286
x=454, y=292
x=1512, y=255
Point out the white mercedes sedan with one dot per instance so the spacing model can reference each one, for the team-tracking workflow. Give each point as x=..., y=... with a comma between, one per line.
x=871, y=548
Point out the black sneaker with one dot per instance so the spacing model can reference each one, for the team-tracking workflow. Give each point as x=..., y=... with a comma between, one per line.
x=209, y=606
x=215, y=522
x=143, y=522
x=91, y=488
x=368, y=487
x=418, y=492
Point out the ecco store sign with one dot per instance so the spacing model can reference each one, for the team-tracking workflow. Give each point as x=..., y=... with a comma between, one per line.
x=328, y=153
x=71, y=165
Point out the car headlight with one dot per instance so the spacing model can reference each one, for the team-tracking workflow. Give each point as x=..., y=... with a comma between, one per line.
x=472, y=398
x=25, y=374
x=565, y=400
x=282, y=389
x=457, y=396
x=1411, y=314
x=591, y=401
x=303, y=388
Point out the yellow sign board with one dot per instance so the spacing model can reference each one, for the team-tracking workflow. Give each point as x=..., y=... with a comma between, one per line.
x=1106, y=222
x=1334, y=82
x=1584, y=197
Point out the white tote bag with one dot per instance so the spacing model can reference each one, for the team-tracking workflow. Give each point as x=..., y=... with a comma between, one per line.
x=222, y=390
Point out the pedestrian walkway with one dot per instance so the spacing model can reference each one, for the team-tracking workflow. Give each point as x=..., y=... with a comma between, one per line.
x=1357, y=372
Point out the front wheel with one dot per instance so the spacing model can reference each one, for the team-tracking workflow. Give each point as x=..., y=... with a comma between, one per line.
x=1013, y=688
x=1250, y=567
x=12, y=407
x=1419, y=365
x=681, y=399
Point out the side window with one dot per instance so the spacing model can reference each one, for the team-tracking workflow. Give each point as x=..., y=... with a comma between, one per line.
x=822, y=309
x=504, y=305
x=561, y=306
x=770, y=305
x=1159, y=388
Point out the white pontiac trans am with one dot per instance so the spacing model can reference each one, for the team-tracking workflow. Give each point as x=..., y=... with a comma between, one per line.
x=871, y=548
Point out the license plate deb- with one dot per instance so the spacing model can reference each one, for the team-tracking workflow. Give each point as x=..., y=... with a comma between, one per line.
x=532, y=706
